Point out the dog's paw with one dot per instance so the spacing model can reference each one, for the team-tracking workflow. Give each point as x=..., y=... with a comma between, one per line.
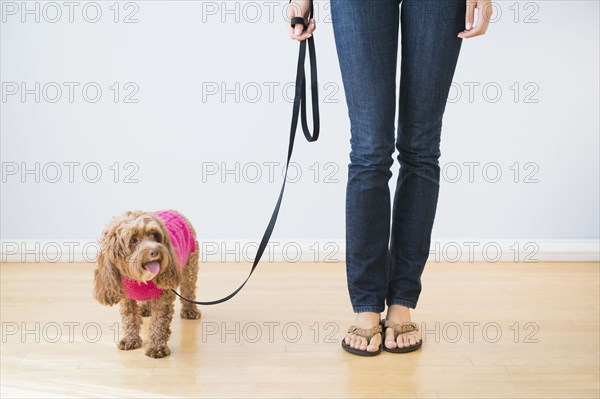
x=129, y=343
x=158, y=351
x=190, y=313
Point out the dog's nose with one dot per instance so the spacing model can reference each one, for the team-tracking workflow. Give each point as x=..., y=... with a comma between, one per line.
x=154, y=252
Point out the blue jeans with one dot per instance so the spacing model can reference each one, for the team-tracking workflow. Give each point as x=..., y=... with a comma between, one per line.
x=382, y=264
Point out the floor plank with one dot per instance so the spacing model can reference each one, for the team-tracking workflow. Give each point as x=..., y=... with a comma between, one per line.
x=490, y=331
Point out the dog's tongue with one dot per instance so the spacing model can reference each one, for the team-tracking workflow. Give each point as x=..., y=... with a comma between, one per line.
x=152, y=267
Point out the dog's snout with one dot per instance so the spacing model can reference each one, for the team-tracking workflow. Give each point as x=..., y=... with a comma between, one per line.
x=154, y=252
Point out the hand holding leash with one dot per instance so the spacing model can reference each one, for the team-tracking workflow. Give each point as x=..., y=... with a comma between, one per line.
x=301, y=9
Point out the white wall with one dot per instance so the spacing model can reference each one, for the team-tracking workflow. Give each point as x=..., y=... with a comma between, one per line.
x=547, y=53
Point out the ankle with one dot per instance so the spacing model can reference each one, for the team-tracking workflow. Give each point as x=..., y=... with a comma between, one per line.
x=398, y=311
x=370, y=318
x=398, y=308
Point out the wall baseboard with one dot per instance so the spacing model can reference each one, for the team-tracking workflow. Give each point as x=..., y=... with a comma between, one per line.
x=328, y=251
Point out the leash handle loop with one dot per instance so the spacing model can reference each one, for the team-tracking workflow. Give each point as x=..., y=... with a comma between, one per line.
x=299, y=20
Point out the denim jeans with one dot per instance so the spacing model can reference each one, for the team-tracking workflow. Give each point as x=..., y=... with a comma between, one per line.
x=387, y=245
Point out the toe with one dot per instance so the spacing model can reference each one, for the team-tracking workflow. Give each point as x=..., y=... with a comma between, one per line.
x=351, y=340
x=361, y=344
x=413, y=340
x=374, y=344
x=400, y=341
x=389, y=339
x=348, y=339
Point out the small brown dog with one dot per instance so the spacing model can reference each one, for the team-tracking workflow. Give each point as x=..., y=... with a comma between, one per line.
x=143, y=255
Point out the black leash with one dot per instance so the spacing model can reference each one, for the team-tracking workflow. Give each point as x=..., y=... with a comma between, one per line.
x=299, y=109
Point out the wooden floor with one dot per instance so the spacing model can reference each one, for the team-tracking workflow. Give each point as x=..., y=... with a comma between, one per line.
x=493, y=330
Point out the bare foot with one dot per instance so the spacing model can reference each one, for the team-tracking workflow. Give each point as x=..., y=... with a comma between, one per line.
x=365, y=320
x=400, y=314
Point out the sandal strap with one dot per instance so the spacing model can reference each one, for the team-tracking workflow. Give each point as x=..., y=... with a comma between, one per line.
x=402, y=328
x=365, y=332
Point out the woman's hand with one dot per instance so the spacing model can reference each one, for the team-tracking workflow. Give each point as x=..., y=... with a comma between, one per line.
x=484, y=13
x=300, y=8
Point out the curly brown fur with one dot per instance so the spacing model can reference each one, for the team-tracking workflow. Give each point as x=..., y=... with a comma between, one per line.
x=132, y=322
x=127, y=243
x=161, y=309
x=145, y=309
x=188, y=287
x=188, y=281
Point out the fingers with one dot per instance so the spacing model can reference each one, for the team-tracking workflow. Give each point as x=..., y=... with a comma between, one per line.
x=470, y=14
x=478, y=31
x=296, y=33
x=484, y=14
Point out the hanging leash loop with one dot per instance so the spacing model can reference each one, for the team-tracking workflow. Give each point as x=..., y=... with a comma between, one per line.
x=298, y=112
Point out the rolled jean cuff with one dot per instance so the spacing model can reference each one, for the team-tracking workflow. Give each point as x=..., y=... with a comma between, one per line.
x=362, y=309
x=402, y=302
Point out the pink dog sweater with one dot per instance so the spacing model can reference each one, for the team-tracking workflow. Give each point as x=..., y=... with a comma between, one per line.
x=182, y=244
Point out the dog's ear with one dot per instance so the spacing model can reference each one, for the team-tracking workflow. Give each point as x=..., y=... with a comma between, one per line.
x=108, y=288
x=170, y=275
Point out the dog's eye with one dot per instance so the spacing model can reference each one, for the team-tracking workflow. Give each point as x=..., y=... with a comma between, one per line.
x=157, y=237
x=133, y=240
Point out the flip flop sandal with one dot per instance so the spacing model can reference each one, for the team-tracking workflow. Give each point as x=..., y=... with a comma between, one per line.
x=367, y=333
x=401, y=328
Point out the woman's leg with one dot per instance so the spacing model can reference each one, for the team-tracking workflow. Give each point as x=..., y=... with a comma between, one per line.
x=366, y=37
x=430, y=50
